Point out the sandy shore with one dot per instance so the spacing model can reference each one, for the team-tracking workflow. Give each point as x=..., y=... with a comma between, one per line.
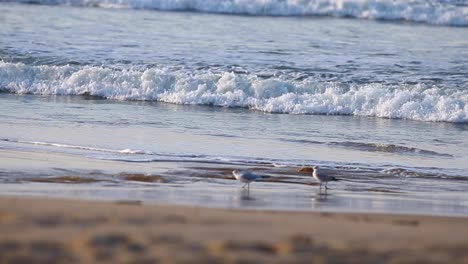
x=61, y=231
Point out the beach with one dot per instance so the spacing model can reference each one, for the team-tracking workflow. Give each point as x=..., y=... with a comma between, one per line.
x=67, y=231
x=122, y=122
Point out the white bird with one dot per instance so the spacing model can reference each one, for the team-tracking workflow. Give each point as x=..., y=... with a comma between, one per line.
x=246, y=177
x=321, y=177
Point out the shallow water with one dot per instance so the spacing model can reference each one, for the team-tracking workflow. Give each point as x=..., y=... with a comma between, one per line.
x=210, y=185
x=90, y=95
x=191, y=150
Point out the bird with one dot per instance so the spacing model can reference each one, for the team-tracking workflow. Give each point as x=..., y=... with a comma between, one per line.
x=246, y=177
x=321, y=177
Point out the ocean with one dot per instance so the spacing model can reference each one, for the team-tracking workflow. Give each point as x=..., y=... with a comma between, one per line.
x=158, y=101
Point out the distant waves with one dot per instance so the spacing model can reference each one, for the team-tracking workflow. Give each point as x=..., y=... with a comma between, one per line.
x=436, y=12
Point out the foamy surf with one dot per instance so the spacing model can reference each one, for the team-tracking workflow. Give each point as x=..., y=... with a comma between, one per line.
x=436, y=12
x=227, y=89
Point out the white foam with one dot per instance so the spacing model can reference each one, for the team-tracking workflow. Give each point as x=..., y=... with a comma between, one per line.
x=134, y=151
x=278, y=95
x=440, y=12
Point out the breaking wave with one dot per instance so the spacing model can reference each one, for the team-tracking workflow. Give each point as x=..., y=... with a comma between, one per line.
x=437, y=12
x=228, y=89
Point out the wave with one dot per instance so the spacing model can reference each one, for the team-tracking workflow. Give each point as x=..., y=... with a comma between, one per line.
x=375, y=147
x=281, y=94
x=141, y=156
x=390, y=148
x=86, y=148
x=424, y=173
x=437, y=12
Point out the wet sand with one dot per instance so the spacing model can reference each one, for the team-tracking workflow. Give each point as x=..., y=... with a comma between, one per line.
x=205, y=184
x=37, y=230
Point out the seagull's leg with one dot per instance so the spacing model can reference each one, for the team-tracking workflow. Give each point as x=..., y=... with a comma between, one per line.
x=248, y=186
x=320, y=186
x=326, y=186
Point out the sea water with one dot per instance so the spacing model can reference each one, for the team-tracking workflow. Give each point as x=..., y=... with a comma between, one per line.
x=375, y=92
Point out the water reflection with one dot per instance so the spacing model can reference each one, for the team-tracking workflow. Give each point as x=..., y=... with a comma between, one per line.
x=244, y=195
x=320, y=197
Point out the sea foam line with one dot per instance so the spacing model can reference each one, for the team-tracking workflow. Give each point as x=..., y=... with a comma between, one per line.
x=437, y=12
x=149, y=156
x=59, y=145
x=275, y=95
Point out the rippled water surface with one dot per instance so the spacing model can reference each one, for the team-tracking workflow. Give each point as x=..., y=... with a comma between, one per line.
x=86, y=148
x=95, y=98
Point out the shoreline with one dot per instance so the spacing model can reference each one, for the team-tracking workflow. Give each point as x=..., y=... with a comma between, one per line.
x=72, y=176
x=71, y=231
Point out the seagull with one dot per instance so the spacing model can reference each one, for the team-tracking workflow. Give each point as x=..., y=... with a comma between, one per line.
x=246, y=177
x=322, y=177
